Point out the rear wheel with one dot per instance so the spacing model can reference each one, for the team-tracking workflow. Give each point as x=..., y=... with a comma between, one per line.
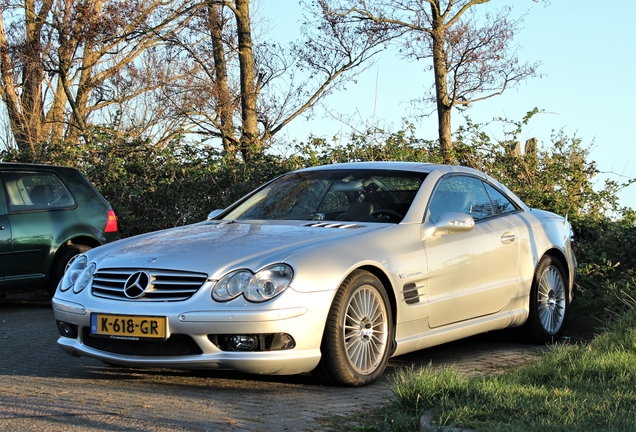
x=549, y=302
x=357, y=339
x=64, y=258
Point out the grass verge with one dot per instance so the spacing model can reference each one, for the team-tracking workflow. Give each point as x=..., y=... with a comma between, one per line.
x=583, y=387
x=572, y=387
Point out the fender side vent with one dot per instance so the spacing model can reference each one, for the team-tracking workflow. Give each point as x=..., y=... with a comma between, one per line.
x=411, y=293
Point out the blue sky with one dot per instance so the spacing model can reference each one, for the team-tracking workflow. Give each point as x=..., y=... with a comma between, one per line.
x=587, y=89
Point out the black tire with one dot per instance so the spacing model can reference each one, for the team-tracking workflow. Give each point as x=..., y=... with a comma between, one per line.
x=549, y=302
x=356, y=349
x=62, y=260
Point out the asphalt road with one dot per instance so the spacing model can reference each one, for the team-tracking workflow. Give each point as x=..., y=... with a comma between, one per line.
x=44, y=389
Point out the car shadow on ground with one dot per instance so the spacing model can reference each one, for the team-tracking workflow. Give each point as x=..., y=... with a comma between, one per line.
x=37, y=342
x=107, y=371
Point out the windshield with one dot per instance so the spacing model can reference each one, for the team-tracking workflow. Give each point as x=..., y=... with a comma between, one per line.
x=333, y=195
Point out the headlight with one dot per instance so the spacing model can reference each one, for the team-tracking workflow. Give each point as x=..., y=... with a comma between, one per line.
x=259, y=287
x=72, y=273
x=84, y=278
x=78, y=275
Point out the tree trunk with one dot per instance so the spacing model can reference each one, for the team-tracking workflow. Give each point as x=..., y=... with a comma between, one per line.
x=10, y=96
x=249, y=133
x=85, y=84
x=55, y=117
x=441, y=87
x=32, y=75
x=56, y=121
x=225, y=107
x=25, y=108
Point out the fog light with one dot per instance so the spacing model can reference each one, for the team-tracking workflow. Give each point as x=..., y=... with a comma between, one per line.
x=67, y=330
x=254, y=342
x=243, y=343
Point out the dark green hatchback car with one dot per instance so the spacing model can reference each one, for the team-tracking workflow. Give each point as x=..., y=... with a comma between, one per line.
x=48, y=215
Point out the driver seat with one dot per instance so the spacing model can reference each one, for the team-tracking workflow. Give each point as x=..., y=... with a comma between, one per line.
x=357, y=210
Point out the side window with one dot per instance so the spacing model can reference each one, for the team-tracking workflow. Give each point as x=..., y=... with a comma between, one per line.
x=460, y=194
x=500, y=203
x=35, y=191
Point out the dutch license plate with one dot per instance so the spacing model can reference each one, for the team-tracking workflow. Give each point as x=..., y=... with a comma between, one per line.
x=128, y=326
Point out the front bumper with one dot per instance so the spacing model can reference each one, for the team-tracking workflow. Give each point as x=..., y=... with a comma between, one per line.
x=304, y=324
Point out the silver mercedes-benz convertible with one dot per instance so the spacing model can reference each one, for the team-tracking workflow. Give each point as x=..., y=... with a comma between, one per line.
x=331, y=269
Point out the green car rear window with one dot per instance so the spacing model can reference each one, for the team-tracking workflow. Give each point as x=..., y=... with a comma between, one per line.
x=29, y=191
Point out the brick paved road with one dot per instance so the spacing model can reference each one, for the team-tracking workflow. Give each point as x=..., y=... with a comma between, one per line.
x=44, y=389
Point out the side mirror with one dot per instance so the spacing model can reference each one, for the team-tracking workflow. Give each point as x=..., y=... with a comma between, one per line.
x=449, y=223
x=214, y=213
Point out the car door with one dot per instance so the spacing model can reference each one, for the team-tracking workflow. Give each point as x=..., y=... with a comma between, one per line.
x=5, y=237
x=34, y=201
x=474, y=273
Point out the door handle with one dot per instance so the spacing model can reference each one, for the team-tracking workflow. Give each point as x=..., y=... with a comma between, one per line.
x=508, y=237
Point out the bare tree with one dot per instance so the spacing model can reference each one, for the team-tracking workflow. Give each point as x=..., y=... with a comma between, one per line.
x=256, y=86
x=161, y=68
x=473, y=56
x=63, y=62
x=20, y=87
x=225, y=107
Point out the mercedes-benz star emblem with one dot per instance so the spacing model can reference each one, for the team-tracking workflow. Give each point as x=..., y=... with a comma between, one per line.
x=137, y=284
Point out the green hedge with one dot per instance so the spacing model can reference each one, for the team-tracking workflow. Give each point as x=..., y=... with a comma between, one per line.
x=153, y=188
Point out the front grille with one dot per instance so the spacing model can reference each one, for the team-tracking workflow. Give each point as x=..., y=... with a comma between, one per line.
x=163, y=285
x=175, y=345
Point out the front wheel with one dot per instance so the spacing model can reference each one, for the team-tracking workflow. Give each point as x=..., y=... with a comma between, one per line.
x=549, y=302
x=357, y=338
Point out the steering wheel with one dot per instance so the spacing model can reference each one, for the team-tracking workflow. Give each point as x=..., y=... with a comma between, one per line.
x=392, y=214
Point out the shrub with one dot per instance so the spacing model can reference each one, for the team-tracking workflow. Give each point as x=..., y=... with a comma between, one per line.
x=153, y=188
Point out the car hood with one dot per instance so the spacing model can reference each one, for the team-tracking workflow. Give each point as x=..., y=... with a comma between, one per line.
x=216, y=248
